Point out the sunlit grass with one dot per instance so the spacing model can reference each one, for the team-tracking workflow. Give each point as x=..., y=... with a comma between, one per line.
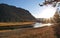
x=14, y=23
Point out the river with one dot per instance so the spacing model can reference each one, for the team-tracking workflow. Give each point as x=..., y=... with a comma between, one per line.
x=36, y=25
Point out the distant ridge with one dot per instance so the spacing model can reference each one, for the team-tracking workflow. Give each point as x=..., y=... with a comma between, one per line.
x=10, y=13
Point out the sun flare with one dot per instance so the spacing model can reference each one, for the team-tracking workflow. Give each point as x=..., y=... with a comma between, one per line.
x=48, y=12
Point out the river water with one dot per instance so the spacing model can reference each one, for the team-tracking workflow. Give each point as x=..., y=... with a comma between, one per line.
x=37, y=25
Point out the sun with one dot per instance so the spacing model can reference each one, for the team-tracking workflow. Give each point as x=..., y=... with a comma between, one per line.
x=48, y=12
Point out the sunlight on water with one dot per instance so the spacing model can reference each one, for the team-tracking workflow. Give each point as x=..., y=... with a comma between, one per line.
x=41, y=25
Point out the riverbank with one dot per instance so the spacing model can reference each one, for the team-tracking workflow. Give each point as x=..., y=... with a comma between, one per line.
x=46, y=32
x=14, y=23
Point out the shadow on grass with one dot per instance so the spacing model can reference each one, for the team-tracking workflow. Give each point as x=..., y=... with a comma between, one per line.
x=57, y=30
x=15, y=27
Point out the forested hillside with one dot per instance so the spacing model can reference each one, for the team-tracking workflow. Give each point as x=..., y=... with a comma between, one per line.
x=10, y=13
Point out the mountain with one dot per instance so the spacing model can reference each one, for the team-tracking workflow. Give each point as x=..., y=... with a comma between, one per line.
x=10, y=13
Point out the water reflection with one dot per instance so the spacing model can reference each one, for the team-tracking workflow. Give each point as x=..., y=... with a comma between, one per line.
x=41, y=25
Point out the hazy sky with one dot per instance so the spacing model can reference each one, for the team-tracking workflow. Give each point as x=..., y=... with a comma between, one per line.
x=31, y=5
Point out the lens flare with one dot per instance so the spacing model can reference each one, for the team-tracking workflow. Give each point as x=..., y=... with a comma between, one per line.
x=48, y=12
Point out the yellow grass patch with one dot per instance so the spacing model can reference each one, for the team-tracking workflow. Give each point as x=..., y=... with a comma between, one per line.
x=14, y=23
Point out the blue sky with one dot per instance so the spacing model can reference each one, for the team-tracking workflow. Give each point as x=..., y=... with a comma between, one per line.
x=30, y=5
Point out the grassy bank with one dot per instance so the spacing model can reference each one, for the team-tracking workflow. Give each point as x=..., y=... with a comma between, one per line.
x=14, y=23
x=46, y=32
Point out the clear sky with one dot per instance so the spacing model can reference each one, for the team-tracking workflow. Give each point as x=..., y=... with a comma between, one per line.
x=31, y=5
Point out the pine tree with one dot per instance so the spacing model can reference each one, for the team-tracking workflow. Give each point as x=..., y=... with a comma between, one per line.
x=56, y=17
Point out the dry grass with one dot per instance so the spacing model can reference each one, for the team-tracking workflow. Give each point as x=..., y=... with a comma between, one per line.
x=14, y=23
x=45, y=32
